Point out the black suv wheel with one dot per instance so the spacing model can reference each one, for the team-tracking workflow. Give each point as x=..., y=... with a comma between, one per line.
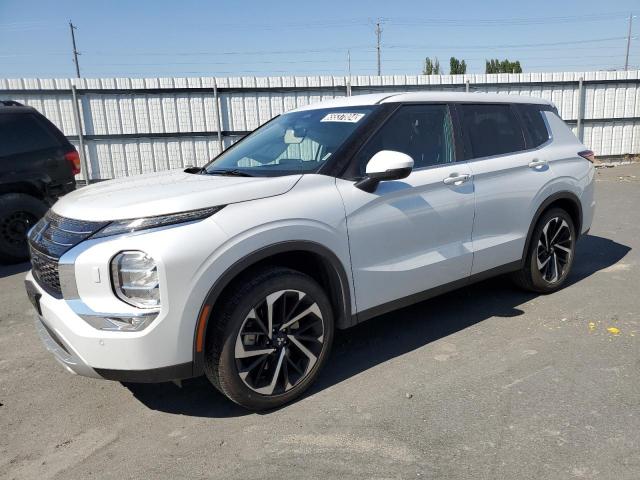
x=18, y=213
x=551, y=251
x=270, y=339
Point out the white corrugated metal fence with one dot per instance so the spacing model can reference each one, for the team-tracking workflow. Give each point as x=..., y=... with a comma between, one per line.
x=132, y=126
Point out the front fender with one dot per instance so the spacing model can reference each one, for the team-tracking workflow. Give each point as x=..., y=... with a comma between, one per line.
x=309, y=218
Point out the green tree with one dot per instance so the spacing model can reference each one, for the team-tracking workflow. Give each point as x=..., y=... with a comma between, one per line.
x=428, y=67
x=457, y=67
x=504, y=66
x=431, y=67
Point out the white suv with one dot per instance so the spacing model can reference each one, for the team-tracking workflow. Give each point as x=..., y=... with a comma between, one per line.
x=320, y=219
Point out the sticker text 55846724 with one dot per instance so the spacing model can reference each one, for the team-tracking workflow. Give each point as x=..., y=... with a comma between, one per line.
x=349, y=117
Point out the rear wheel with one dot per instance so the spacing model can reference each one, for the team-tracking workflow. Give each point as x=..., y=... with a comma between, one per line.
x=551, y=251
x=271, y=338
x=18, y=213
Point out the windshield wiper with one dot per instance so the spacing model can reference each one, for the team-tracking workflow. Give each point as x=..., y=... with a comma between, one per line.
x=229, y=173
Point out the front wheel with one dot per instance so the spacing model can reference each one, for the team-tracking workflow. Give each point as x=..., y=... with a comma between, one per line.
x=551, y=251
x=271, y=338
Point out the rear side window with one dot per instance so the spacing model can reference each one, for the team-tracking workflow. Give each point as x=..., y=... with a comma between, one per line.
x=491, y=129
x=23, y=132
x=534, y=125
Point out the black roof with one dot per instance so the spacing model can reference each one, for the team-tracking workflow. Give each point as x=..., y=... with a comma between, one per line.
x=11, y=106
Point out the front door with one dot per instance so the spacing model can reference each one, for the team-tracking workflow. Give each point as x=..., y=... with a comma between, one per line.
x=414, y=234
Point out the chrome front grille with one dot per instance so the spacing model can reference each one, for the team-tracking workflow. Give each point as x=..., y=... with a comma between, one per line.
x=45, y=271
x=49, y=239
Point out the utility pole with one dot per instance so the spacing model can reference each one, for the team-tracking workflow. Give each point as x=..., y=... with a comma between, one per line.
x=626, y=58
x=378, y=37
x=349, y=73
x=72, y=27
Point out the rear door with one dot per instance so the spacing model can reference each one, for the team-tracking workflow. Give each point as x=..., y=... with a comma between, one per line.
x=505, y=147
x=413, y=234
x=29, y=146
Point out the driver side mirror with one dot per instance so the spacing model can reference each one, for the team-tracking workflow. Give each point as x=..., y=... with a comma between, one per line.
x=383, y=166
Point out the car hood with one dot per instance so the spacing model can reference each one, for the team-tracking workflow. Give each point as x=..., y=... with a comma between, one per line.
x=166, y=192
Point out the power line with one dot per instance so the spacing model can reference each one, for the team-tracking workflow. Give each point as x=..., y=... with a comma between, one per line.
x=335, y=61
x=336, y=50
x=521, y=45
x=509, y=21
x=340, y=49
x=360, y=21
x=238, y=52
x=400, y=21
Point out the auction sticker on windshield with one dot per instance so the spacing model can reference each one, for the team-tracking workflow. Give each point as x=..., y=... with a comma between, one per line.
x=343, y=117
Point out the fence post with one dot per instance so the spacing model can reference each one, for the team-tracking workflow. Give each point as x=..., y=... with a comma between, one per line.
x=581, y=101
x=466, y=85
x=218, y=114
x=78, y=119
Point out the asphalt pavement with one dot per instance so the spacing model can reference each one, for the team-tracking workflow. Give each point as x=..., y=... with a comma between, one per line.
x=487, y=382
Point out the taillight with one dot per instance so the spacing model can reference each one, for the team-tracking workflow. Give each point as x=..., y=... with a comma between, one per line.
x=73, y=158
x=588, y=154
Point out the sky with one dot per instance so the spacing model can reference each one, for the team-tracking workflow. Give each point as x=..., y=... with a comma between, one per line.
x=146, y=38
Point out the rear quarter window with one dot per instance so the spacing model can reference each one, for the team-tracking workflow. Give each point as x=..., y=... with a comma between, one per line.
x=22, y=133
x=534, y=125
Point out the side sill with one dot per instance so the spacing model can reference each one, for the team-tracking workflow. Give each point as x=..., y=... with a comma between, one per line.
x=156, y=375
x=434, y=292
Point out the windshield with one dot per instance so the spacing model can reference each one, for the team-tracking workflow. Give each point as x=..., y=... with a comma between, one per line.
x=298, y=142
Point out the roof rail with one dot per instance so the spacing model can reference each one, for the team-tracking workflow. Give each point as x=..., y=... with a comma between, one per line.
x=10, y=103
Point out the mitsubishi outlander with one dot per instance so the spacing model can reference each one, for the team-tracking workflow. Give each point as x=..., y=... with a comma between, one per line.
x=320, y=219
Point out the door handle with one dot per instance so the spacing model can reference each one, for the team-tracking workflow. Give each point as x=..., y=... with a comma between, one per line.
x=537, y=163
x=455, y=179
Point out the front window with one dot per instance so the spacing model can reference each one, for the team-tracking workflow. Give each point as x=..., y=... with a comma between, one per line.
x=297, y=142
x=424, y=132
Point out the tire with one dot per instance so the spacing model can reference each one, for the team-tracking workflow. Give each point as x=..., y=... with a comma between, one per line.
x=283, y=370
x=547, y=266
x=18, y=213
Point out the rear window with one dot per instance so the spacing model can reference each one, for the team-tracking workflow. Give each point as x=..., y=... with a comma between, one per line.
x=23, y=132
x=491, y=129
x=534, y=125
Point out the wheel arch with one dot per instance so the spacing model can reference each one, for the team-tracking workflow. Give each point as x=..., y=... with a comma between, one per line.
x=309, y=257
x=568, y=201
x=31, y=188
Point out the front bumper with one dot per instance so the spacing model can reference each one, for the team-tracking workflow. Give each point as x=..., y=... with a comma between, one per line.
x=164, y=349
x=63, y=353
x=84, y=350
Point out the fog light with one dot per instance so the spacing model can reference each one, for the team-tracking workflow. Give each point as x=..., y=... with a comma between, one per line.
x=135, y=279
x=124, y=324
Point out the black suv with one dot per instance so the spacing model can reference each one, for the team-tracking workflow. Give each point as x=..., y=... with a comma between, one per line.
x=37, y=165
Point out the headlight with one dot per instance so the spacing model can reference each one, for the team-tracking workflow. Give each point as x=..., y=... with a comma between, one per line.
x=134, y=224
x=135, y=279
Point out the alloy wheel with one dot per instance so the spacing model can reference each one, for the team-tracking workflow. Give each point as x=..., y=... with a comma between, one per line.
x=555, y=247
x=279, y=342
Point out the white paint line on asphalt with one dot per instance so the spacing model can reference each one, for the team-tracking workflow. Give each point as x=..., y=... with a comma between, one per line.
x=526, y=377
